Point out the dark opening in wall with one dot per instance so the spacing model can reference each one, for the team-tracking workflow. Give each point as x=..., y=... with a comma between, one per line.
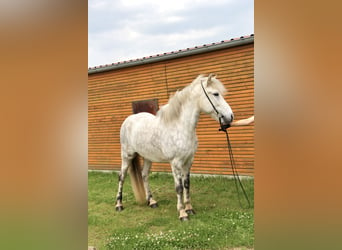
x=150, y=106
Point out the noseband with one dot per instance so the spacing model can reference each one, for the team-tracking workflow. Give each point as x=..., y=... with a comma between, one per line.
x=220, y=116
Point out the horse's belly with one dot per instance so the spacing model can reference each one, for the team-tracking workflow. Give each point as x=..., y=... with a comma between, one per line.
x=154, y=157
x=165, y=151
x=152, y=150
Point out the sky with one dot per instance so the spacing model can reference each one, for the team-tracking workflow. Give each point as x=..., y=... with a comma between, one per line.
x=120, y=30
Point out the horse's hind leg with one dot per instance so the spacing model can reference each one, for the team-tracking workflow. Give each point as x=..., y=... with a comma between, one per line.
x=123, y=172
x=145, y=172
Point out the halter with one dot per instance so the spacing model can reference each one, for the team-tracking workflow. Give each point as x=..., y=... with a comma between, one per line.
x=222, y=126
x=231, y=156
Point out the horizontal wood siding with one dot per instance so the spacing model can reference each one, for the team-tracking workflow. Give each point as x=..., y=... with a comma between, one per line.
x=111, y=95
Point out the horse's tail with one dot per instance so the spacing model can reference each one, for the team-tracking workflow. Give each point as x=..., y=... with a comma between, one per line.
x=137, y=180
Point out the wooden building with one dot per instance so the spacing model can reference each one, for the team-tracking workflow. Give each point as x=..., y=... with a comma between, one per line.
x=117, y=90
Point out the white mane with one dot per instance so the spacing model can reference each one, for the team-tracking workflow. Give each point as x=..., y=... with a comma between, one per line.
x=172, y=110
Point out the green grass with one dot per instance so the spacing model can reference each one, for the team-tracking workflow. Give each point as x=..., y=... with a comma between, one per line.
x=219, y=223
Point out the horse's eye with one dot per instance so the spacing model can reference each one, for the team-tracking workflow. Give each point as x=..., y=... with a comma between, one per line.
x=216, y=94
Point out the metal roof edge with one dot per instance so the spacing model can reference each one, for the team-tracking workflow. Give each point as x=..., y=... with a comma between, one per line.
x=173, y=55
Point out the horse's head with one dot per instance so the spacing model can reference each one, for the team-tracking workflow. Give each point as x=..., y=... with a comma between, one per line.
x=212, y=100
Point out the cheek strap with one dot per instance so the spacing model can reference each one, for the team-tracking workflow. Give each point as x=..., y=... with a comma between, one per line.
x=222, y=127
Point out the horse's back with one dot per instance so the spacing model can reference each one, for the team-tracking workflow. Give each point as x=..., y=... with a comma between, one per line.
x=135, y=122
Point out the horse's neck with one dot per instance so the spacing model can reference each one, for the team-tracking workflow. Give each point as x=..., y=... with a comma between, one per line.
x=189, y=117
x=185, y=125
x=181, y=113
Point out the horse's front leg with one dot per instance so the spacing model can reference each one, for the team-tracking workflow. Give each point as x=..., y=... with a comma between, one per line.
x=177, y=175
x=186, y=181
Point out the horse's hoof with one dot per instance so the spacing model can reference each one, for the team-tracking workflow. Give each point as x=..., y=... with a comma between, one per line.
x=154, y=205
x=119, y=208
x=185, y=218
x=190, y=211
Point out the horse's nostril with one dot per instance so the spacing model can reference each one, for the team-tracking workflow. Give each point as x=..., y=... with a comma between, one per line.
x=232, y=117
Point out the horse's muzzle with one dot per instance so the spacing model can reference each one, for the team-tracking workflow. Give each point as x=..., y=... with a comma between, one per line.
x=227, y=120
x=225, y=123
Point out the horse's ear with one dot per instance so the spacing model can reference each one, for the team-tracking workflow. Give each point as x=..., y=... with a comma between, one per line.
x=211, y=75
x=209, y=79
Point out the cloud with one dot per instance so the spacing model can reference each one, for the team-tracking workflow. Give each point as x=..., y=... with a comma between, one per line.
x=123, y=30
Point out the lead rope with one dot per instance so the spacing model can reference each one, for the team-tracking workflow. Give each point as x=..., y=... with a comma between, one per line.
x=237, y=179
x=231, y=156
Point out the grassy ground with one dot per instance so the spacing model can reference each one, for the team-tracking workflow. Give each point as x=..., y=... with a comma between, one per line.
x=219, y=222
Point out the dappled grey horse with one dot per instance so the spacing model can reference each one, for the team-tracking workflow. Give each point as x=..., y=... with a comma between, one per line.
x=170, y=136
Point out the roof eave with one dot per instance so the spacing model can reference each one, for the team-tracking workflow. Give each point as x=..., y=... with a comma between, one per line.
x=173, y=55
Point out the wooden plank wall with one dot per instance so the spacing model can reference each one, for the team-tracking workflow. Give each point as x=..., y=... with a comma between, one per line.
x=111, y=95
